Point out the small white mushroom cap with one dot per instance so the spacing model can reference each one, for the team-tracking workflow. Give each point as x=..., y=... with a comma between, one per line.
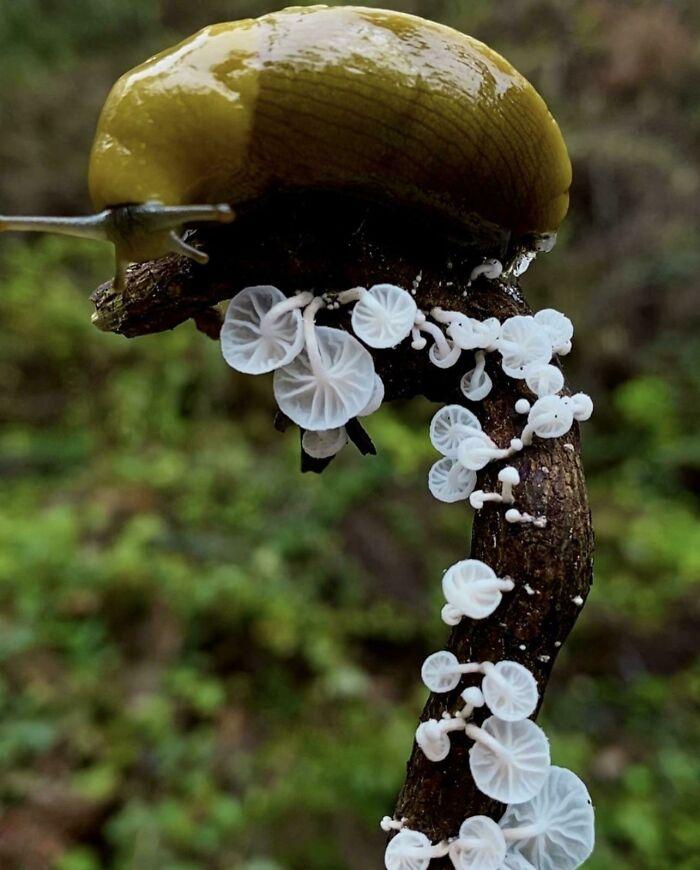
x=476, y=451
x=472, y=588
x=324, y=443
x=488, y=332
x=550, y=417
x=556, y=826
x=450, y=481
x=479, y=846
x=522, y=406
x=254, y=344
x=511, y=763
x=384, y=315
x=510, y=475
x=490, y=269
x=510, y=690
x=440, y=671
x=474, y=696
x=523, y=342
x=582, y=405
x=558, y=327
x=476, y=383
x=328, y=398
x=433, y=741
x=544, y=379
x=450, y=426
x=376, y=399
x=464, y=332
x=404, y=851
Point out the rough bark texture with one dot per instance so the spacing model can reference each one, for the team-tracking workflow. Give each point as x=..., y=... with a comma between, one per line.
x=319, y=244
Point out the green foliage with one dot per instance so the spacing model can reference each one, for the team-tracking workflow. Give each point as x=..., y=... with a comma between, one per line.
x=208, y=660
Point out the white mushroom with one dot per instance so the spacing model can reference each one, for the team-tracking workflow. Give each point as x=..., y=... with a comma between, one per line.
x=432, y=736
x=558, y=327
x=450, y=426
x=383, y=316
x=488, y=332
x=471, y=588
x=388, y=824
x=477, y=450
x=522, y=342
x=479, y=846
x=325, y=442
x=442, y=671
x=510, y=690
x=544, y=379
x=328, y=383
x=509, y=761
x=450, y=481
x=522, y=406
x=376, y=398
x=582, y=405
x=411, y=850
x=441, y=353
x=549, y=417
x=554, y=830
x=476, y=384
x=262, y=329
x=508, y=477
x=490, y=269
x=515, y=516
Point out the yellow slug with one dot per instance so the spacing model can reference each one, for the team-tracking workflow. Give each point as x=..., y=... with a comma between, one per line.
x=378, y=104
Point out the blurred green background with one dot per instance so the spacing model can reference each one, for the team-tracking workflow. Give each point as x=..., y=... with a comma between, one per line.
x=210, y=661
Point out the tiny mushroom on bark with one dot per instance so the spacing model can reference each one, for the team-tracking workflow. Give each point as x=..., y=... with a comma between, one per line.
x=476, y=384
x=411, y=850
x=262, y=329
x=383, y=316
x=510, y=690
x=442, y=671
x=479, y=846
x=509, y=760
x=324, y=443
x=488, y=269
x=544, y=379
x=554, y=829
x=329, y=382
x=522, y=342
x=549, y=417
x=450, y=426
x=558, y=327
x=582, y=405
x=450, y=481
x=472, y=589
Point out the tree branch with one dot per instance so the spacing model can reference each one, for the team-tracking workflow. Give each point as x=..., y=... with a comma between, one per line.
x=318, y=243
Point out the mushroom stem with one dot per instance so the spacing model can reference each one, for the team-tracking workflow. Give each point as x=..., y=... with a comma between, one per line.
x=480, y=736
x=439, y=850
x=310, y=336
x=442, y=316
x=388, y=824
x=301, y=300
x=352, y=295
x=512, y=835
x=438, y=337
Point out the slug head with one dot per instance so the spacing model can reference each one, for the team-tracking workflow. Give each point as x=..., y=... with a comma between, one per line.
x=138, y=232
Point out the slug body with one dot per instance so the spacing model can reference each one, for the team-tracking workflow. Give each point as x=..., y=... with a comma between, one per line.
x=378, y=104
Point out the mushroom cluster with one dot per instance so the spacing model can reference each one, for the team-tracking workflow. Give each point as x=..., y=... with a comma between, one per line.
x=323, y=378
x=553, y=830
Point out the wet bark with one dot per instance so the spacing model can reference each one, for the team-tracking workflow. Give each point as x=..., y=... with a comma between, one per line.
x=322, y=245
